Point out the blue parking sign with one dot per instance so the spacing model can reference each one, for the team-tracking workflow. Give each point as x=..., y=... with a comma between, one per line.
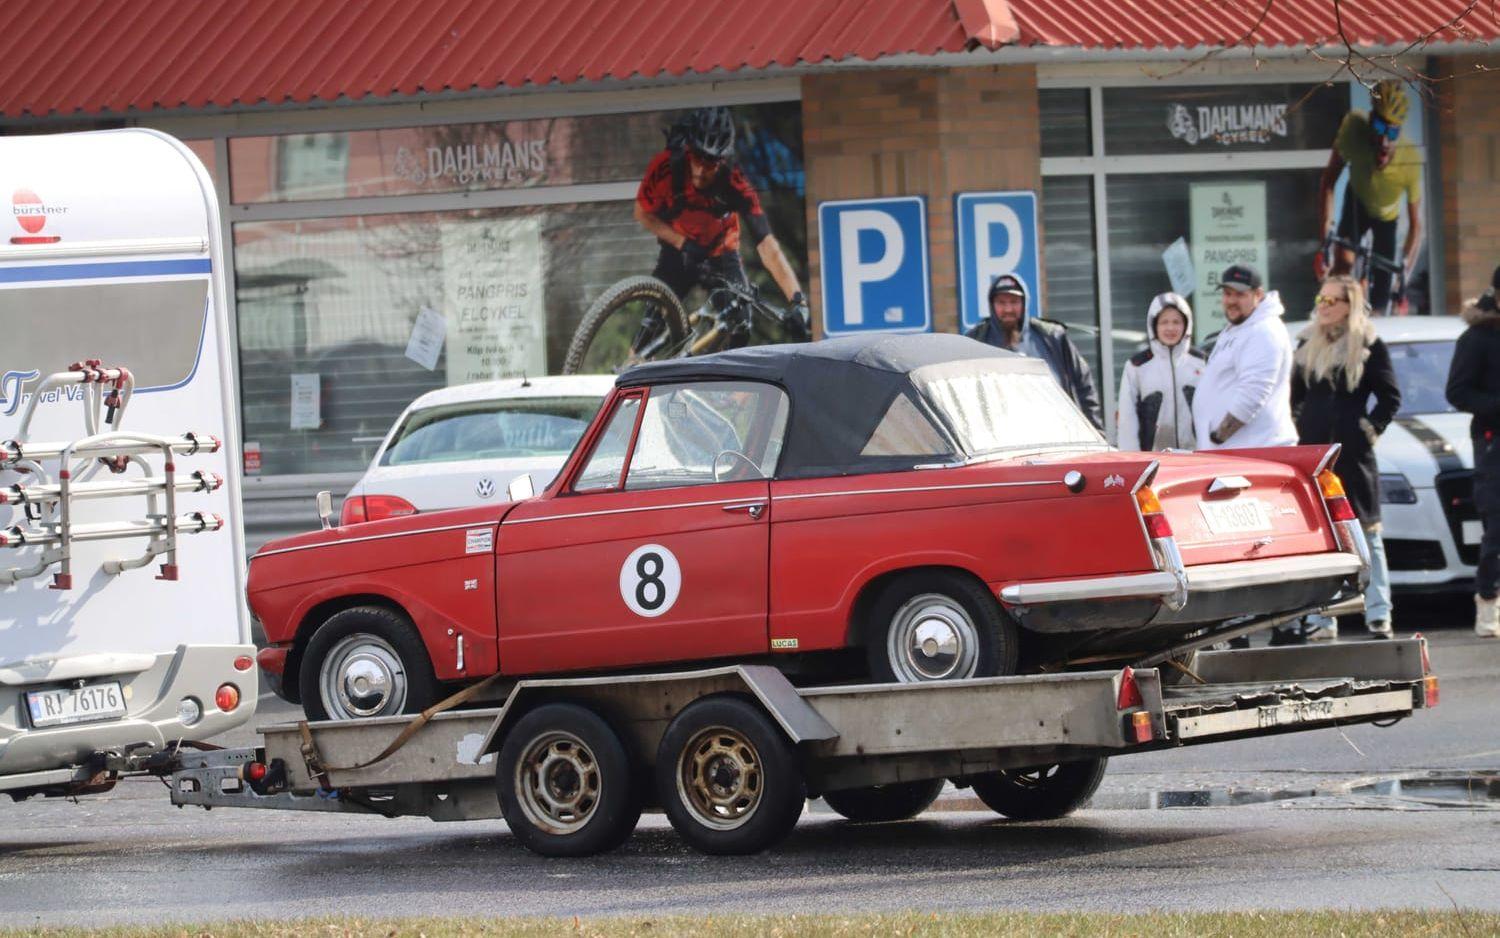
x=875, y=265
x=995, y=233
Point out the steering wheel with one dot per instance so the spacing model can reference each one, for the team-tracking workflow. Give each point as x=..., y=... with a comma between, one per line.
x=731, y=465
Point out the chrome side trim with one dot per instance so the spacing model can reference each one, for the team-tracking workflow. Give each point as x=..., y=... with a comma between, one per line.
x=374, y=537
x=1204, y=578
x=918, y=488
x=627, y=511
x=1328, y=458
x=114, y=247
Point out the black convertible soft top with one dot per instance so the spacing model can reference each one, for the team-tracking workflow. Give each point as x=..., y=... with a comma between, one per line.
x=839, y=388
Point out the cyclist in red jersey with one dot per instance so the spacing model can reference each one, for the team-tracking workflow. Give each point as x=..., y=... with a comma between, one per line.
x=692, y=198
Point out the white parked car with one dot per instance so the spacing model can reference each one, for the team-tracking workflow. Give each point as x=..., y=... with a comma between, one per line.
x=1426, y=460
x=461, y=446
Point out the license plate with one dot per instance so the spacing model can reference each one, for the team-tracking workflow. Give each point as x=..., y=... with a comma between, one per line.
x=1473, y=532
x=84, y=704
x=1238, y=516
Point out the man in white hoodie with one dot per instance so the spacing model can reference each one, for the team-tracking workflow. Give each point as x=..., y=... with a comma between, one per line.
x=1244, y=396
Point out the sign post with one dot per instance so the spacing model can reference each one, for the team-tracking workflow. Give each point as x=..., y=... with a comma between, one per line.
x=874, y=266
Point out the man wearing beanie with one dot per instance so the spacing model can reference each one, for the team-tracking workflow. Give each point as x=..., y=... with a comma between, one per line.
x=1474, y=387
x=1008, y=327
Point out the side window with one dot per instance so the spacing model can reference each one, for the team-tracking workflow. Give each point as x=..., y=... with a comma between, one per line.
x=689, y=429
x=905, y=431
x=602, y=471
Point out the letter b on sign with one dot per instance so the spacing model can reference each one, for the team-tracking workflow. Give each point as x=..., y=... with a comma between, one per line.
x=875, y=266
x=995, y=234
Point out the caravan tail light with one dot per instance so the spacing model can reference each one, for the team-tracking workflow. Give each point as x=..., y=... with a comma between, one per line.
x=1332, y=490
x=1155, y=519
x=227, y=698
x=359, y=508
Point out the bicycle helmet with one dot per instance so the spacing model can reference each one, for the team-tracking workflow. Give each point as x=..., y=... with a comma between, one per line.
x=1389, y=100
x=710, y=132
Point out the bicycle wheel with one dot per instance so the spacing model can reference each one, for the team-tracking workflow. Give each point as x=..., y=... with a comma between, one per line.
x=637, y=320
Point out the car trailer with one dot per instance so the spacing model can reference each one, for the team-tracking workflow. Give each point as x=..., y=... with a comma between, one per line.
x=731, y=753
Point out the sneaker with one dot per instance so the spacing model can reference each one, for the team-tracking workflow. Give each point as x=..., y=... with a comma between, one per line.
x=1381, y=628
x=1486, y=617
x=1323, y=633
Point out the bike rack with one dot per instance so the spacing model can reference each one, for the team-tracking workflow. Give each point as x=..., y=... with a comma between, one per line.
x=79, y=460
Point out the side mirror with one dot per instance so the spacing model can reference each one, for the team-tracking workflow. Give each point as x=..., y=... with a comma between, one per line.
x=520, y=488
x=325, y=508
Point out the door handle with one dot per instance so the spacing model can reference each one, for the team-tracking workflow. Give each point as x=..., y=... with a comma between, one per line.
x=754, y=509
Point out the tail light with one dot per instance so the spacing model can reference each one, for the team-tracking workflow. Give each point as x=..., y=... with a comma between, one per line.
x=1332, y=489
x=360, y=508
x=1155, y=519
x=227, y=698
x=1130, y=691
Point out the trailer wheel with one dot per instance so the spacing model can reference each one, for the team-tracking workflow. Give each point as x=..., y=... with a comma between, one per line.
x=879, y=804
x=728, y=778
x=938, y=626
x=566, y=784
x=364, y=662
x=1042, y=793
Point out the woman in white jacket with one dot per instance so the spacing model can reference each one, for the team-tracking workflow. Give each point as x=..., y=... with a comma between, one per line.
x=1156, y=389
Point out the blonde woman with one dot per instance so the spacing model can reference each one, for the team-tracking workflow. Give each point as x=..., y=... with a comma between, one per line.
x=1344, y=391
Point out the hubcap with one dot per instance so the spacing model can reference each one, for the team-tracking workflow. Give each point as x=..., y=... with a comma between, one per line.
x=932, y=638
x=719, y=778
x=557, y=783
x=362, y=676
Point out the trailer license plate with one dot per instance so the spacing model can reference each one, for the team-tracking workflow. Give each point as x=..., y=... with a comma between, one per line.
x=1238, y=516
x=76, y=704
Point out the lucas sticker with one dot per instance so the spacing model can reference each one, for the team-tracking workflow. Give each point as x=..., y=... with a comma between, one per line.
x=650, y=580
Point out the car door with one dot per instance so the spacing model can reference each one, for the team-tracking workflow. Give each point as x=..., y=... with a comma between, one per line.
x=650, y=554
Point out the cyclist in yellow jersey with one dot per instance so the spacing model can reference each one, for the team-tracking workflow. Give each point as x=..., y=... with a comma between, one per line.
x=1382, y=169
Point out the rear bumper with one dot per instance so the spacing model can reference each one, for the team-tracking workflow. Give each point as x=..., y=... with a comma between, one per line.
x=1205, y=578
x=152, y=696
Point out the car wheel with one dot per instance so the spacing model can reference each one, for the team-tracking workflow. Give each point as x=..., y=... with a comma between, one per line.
x=566, y=784
x=366, y=662
x=879, y=804
x=1042, y=793
x=728, y=778
x=938, y=626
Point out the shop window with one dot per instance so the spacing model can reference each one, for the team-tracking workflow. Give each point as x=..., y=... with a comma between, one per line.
x=317, y=164
x=1065, y=122
x=1248, y=117
x=1068, y=250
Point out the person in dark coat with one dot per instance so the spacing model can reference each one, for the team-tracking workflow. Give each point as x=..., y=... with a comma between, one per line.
x=1008, y=327
x=1474, y=387
x=1344, y=391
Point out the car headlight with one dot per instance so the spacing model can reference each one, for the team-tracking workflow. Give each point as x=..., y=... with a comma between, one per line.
x=1396, y=490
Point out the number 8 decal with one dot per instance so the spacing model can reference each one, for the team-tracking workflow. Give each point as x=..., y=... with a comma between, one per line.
x=650, y=580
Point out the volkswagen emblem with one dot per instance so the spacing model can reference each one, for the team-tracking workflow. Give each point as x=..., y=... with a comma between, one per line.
x=485, y=487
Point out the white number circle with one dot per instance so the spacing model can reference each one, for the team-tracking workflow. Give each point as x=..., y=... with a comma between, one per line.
x=650, y=580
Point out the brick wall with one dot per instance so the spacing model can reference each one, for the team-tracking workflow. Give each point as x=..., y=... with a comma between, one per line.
x=1469, y=133
x=929, y=132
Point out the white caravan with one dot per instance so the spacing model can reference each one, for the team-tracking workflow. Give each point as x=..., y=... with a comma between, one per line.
x=123, y=629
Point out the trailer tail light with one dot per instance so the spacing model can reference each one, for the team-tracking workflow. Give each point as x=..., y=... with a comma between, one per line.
x=227, y=698
x=1426, y=661
x=1140, y=727
x=1430, y=694
x=255, y=771
x=360, y=508
x=1154, y=518
x=1130, y=692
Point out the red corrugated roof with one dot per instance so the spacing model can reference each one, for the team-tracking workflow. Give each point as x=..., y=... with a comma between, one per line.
x=92, y=56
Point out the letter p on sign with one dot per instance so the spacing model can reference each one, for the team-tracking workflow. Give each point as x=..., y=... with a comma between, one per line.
x=875, y=270
x=995, y=234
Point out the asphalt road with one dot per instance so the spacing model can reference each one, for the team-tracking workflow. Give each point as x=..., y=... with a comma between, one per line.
x=131, y=857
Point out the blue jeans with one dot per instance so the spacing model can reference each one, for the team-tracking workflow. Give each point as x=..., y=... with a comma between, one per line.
x=1377, y=594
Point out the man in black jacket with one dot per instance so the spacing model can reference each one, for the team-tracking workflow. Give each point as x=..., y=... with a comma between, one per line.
x=1474, y=387
x=1009, y=328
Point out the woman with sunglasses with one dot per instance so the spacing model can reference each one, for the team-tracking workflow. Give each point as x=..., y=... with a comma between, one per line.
x=1344, y=391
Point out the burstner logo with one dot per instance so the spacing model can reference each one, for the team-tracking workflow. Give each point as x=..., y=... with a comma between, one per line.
x=31, y=212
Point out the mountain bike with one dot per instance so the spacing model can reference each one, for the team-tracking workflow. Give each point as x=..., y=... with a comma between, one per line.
x=1366, y=263
x=640, y=319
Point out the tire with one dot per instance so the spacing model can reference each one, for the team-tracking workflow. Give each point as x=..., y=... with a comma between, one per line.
x=619, y=299
x=566, y=783
x=1043, y=793
x=384, y=665
x=937, y=626
x=880, y=804
x=728, y=778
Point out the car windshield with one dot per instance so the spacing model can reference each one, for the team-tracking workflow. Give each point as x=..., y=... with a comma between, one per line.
x=1422, y=373
x=1003, y=409
x=543, y=426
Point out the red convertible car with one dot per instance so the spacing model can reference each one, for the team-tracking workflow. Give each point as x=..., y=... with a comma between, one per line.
x=913, y=508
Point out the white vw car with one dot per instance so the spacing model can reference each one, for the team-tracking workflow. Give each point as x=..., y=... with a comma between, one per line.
x=1430, y=528
x=461, y=446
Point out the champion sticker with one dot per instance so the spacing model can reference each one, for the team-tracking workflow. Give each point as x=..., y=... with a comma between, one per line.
x=650, y=580
x=479, y=541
